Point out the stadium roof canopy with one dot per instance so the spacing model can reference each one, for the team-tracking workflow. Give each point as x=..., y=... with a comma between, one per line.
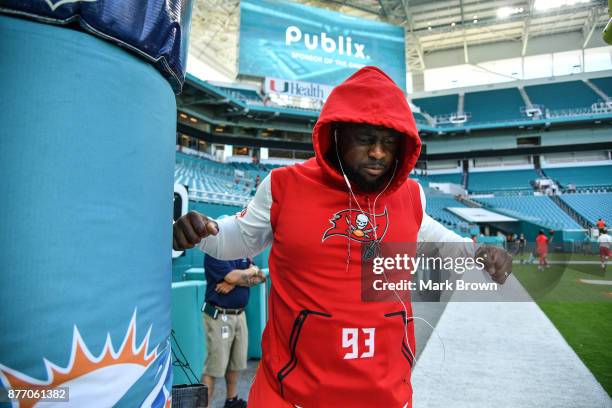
x=477, y=215
x=432, y=27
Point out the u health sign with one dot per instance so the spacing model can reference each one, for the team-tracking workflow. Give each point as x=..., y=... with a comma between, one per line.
x=297, y=88
x=301, y=43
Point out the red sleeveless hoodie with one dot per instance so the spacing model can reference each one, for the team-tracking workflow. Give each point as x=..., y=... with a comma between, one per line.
x=323, y=346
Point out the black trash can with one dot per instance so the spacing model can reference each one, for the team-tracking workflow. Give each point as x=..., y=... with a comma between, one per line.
x=189, y=396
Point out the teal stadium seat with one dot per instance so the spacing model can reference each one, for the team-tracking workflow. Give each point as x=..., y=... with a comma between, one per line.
x=455, y=178
x=247, y=96
x=509, y=180
x=438, y=105
x=540, y=210
x=494, y=106
x=211, y=181
x=591, y=206
x=588, y=176
x=271, y=167
x=604, y=84
x=419, y=118
x=562, y=95
x=437, y=208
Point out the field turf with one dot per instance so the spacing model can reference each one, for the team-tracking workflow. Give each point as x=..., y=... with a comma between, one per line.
x=581, y=312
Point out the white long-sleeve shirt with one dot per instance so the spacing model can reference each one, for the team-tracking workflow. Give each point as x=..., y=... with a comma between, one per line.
x=248, y=235
x=604, y=240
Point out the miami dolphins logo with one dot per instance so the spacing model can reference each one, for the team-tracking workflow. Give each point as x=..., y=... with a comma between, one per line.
x=358, y=226
x=100, y=380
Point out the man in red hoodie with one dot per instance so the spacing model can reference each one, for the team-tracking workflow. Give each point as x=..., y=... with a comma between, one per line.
x=324, y=347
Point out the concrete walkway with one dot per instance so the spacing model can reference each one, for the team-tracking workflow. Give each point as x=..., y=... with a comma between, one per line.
x=501, y=354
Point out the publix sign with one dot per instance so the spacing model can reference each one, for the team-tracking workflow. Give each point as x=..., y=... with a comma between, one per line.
x=340, y=44
x=310, y=45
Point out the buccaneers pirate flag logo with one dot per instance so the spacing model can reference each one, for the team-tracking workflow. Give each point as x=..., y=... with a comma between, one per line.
x=358, y=226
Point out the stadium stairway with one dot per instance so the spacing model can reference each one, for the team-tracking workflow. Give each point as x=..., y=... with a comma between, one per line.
x=571, y=212
x=469, y=202
x=596, y=89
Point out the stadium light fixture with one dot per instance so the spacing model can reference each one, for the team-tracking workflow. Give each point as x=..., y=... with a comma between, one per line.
x=542, y=5
x=505, y=12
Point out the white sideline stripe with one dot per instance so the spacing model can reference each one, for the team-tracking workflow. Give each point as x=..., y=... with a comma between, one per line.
x=596, y=282
x=568, y=262
x=502, y=355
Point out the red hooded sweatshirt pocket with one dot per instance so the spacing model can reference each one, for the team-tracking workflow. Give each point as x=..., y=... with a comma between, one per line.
x=326, y=352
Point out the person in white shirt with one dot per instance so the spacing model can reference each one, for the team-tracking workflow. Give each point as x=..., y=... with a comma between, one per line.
x=605, y=242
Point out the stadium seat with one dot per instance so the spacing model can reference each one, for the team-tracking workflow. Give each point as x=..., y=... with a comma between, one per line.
x=509, y=180
x=540, y=210
x=419, y=118
x=562, y=95
x=215, y=182
x=247, y=96
x=424, y=180
x=604, y=84
x=591, y=206
x=438, y=105
x=588, y=176
x=496, y=105
x=437, y=208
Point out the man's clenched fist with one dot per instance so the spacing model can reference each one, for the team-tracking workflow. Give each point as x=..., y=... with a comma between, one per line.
x=497, y=262
x=189, y=230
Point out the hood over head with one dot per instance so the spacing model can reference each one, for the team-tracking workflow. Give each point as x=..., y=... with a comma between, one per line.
x=369, y=96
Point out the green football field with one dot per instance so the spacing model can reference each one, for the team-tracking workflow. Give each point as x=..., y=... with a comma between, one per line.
x=581, y=311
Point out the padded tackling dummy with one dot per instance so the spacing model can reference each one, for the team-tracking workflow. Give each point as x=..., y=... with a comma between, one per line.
x=86, y=162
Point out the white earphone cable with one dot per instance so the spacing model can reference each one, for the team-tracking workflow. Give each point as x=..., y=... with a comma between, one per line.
x=373, y=225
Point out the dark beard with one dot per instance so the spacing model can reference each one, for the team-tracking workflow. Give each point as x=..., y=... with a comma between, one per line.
x=365, y=185
x=357, y=179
